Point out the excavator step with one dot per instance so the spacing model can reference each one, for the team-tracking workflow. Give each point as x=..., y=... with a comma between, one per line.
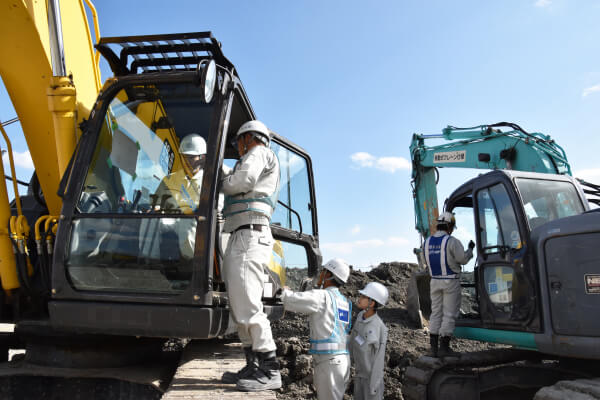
x=199, y=373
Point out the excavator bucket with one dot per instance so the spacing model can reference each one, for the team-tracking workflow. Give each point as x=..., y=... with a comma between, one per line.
x=418, y=302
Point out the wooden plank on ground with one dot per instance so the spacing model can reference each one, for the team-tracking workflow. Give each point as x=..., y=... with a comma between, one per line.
x=199, y=373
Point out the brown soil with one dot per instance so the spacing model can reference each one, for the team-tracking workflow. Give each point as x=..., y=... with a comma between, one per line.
x=405, y=343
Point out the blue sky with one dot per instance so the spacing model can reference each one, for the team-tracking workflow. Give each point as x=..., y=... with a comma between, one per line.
x=352, y=81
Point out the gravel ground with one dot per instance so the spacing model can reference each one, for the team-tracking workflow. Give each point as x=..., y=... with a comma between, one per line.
x=405, y=343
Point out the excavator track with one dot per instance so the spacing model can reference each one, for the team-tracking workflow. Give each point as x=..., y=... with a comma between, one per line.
x=198, y=375
x=488, y=374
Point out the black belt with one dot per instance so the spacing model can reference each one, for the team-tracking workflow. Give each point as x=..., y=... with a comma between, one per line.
x=253, y=227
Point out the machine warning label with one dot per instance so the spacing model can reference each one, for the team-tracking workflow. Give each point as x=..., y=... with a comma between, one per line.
x=450, y=156
x=592, y=283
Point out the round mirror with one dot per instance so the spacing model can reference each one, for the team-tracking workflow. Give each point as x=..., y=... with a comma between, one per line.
x=207, y=70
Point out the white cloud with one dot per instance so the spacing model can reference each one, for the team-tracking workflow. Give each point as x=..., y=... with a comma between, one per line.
x=355, y=230
x=362, y=159
x=22, y=160
x=543, y=3
x=589, y=90
x=387, y=164
x=591, y=175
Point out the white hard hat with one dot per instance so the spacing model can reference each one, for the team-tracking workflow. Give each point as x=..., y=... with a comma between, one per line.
x=339, y=268
x=257, y=128
x=193, y=144
x=376, y=291
x=446, y=218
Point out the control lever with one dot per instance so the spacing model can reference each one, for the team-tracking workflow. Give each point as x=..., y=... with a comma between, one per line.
x=136, y=199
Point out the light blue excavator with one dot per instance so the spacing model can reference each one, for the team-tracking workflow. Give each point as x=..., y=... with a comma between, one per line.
x=535, y=287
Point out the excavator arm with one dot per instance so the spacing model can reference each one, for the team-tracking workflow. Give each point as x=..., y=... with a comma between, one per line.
x=480, y=147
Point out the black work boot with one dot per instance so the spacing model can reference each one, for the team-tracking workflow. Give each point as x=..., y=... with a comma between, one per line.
x=445, y=350
x=433, y=342
x=247, y=370
x=265, y=377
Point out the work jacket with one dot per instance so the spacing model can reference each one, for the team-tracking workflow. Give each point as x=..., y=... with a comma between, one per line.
x=251, y=189
x=367, y=349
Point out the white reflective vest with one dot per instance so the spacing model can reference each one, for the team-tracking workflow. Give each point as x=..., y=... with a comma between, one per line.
x=337, y=342
x=329, y=317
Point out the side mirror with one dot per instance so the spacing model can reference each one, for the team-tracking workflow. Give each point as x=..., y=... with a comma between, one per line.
x=207, y=72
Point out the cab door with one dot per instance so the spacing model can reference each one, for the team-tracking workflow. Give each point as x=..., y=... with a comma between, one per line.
x=503, y=286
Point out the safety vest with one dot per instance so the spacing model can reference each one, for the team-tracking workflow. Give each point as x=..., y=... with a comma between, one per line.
x=437, y=257
x=337, y=342
x=264, y=205
x=184, y=191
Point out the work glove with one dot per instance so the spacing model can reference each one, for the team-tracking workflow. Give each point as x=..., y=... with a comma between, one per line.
x=306, y=284
x=471, y=244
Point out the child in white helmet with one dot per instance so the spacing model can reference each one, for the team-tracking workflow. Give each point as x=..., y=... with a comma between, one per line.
x=367, y=343
x=329, y=318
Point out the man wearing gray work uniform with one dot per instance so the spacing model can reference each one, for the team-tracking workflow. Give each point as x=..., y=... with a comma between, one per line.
x=251, y=191
x=444, y=255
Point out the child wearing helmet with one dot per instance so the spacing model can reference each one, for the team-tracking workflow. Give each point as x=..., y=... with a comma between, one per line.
x=329, y=318
x=367, y=343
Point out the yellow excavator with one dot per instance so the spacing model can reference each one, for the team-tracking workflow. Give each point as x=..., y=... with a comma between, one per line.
x=93, y=276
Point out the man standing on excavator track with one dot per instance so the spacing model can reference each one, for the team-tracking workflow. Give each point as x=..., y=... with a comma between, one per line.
x=251, y=191
x=444, y=256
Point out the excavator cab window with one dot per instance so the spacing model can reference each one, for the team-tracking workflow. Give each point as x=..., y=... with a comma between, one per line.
x=296, y=212
x=136, y=226
x=546, y=200
x=499, y=231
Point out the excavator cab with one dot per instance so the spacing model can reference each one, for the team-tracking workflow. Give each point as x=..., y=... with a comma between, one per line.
x=139, y=246
x=509, y=211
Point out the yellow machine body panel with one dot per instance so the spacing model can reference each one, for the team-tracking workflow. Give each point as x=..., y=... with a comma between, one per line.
x=26, y=71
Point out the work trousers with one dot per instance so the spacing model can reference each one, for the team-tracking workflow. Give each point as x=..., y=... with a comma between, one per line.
x=363, y=392
x=445, y=306
x=331, y=375
x=246, y=259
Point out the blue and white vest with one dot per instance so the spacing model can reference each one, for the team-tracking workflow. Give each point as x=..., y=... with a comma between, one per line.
x=337, y=342
x=264, y=205
x=437, y=257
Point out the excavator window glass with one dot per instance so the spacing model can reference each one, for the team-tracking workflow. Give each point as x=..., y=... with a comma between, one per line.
x=546, y=200
x=499, y=230
x=294, y=192
x=135, y=228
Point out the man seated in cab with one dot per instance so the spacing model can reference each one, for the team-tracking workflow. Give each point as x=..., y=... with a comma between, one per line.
x=179, y=193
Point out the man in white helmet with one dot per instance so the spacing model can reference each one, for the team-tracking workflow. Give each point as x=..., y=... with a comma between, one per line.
x=251, y=191
x=329, y=318
x=367, y=343
x=444, y=256
x=179, y=192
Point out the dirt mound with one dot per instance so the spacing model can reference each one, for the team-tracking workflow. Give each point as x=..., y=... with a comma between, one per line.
x=405, y=343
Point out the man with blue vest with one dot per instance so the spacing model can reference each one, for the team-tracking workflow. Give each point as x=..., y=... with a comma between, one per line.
x=329, y=318
x=444, y=256
x=251, y=191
